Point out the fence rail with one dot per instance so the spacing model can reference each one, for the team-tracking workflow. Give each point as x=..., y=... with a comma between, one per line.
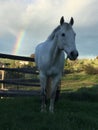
x=19, y=83
x=22, y=70
x=15, y=93
x=15, y=57
x=24, y=82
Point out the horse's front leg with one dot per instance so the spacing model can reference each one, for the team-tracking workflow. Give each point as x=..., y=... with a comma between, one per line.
x=55, y=81
x=43, y=82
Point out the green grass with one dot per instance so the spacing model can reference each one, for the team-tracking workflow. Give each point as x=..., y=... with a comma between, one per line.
x=24, y=114
x=77, y=108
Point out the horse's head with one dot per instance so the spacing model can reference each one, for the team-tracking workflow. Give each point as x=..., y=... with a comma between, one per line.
x=66, y=39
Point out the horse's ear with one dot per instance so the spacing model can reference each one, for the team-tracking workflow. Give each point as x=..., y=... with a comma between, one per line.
x=61, y=20
x=71, y=21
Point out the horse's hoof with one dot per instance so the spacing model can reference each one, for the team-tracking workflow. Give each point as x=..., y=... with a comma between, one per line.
x=51, y=110
x=43, y=110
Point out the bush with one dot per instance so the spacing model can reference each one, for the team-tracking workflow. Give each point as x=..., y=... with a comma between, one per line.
x=90, y=69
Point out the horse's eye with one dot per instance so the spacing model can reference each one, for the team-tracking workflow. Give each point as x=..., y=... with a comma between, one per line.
x=63, y=34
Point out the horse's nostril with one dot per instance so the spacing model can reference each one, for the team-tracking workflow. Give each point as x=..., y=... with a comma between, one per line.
x=74, y=54
x=77, y=54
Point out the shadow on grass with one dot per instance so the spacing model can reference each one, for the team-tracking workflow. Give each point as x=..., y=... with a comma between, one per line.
x=82, y=94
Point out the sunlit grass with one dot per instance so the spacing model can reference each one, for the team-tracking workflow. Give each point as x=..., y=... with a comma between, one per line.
x=75, y=81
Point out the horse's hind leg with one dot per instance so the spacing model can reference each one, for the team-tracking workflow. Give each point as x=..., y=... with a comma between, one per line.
x=43, y=81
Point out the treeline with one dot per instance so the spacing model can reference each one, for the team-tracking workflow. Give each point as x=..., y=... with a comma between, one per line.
x=89, y=66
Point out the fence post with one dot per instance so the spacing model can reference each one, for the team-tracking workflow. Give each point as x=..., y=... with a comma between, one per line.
x=2, y=85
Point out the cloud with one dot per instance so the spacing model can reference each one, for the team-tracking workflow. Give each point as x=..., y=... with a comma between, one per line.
x=15, y=14
x=10, y=16
x=39, y=17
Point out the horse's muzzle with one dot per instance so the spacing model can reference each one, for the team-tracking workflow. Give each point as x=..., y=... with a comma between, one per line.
x=73, y=55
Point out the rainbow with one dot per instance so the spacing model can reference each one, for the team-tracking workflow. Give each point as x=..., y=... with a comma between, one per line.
x=18, y=42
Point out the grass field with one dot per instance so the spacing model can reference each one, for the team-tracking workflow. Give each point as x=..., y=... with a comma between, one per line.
x=77, y=108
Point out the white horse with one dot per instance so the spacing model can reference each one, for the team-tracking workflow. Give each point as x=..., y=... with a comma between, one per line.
x=49, y=57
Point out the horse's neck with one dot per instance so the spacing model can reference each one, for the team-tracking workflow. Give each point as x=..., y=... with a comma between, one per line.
x=54, y=51
x=53, y=43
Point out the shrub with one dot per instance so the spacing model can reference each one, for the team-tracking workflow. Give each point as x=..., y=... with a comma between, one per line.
x=90, y=69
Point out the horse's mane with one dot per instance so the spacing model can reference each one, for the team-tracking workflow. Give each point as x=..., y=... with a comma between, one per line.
x=52, y=35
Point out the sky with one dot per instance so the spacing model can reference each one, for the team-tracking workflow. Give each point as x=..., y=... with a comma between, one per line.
x=26, y=23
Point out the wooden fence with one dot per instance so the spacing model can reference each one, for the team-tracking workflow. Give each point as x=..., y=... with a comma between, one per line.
x=24, y=82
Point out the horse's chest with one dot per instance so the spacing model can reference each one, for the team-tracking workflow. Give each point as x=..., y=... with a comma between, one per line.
x=51, y=66
x=55, y=68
